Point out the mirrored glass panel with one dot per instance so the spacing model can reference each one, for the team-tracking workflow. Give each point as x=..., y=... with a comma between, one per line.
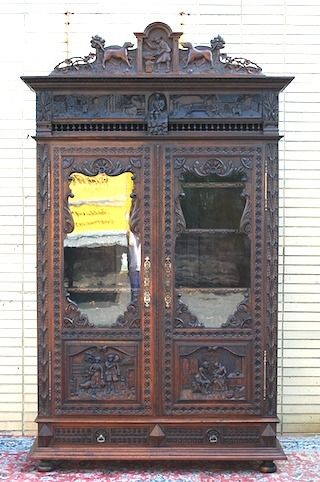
x=212, y=254
x=102, y=255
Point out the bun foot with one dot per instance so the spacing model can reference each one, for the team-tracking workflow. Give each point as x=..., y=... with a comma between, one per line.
x=45, y=466
x=268, y=467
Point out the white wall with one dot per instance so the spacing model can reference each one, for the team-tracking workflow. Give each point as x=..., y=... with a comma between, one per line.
x=283, y=36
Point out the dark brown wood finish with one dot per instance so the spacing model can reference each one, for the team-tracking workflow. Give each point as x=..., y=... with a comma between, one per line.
x=172, y=376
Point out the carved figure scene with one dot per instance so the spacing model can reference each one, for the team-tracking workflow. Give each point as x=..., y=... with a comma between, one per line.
x=159, y=53
x=215, y=105
x=157, y=114
x=212, y=373
x=103, y=373
x=91, y=106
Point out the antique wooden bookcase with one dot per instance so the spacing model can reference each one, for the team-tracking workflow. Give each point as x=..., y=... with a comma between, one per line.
x=157, y=254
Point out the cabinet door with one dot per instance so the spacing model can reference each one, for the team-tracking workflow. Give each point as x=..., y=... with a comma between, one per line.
x=102, y=361
x=212, y=284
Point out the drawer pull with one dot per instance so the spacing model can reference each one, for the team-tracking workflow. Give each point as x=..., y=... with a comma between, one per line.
x=101, y=439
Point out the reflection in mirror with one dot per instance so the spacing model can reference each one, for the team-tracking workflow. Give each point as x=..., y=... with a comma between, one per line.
x=102, y=256
x=212, y=253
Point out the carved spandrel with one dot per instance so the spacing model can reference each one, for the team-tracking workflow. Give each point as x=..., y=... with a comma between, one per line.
x=106, y=373
x=157, y=53
x=212, y=373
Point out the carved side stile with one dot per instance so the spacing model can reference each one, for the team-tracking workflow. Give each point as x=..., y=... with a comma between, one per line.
x=42, y=255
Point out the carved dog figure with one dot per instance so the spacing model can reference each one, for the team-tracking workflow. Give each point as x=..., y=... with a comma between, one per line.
x=116, y=52
x=195, y=53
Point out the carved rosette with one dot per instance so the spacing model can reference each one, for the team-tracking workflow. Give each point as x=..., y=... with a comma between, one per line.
x=271, y=275
x=42, y=281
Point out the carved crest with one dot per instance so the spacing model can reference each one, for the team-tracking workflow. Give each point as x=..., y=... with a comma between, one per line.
x=157, y=53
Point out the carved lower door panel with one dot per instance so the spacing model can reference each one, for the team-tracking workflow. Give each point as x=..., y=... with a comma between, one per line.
x=212, y=308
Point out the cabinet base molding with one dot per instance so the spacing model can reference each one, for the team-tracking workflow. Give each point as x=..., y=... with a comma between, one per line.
x=86, y=452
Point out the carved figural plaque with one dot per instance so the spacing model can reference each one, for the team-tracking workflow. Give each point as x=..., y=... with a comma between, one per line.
x=210, y=373
x=105, y=373
x=157, y=53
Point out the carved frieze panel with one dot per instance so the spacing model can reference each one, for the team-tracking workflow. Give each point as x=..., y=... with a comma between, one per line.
x=99, y=106
x=157, y=53
x=102, y=373
x=215, y=106
x=212, y=373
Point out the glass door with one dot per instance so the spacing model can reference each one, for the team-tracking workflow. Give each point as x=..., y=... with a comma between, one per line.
x=208, y=248
x=105, y=333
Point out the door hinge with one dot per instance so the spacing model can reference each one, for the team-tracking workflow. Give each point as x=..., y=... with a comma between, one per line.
x=266, y=186
x=49, y=187
x=168, y=275
x=49, y=375
x=265, y=375
x=147, y=282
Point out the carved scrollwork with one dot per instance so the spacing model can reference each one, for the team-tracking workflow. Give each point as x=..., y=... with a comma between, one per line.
x=73, y=316
x=184, y=318
x=68, y=218
x=245, y=221
x=76, y=64
x=241, y=318
x=211, y=166
x=130, y=318
x=179, y=216
x=111, y=167
x=238, y=65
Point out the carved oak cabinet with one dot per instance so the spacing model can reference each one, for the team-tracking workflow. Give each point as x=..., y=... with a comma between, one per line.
x=157, y=254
